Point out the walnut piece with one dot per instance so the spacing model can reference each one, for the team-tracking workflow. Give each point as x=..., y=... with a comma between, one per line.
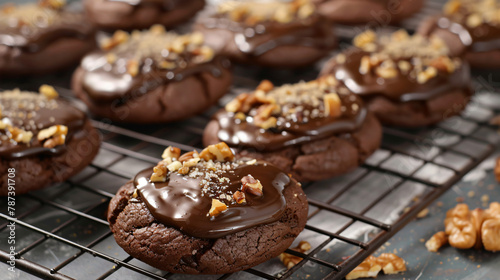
x=391, y=264
x=48, y=91
x=459, y=227
x=172, y=153
x=133, y=67
x=119, y=37
x=251, y=185
x=217, y=208
x=332, y=105
x=365, y=40
x=220, y=152
x=55, y=135
x=290, y=260
x=368, y=268
x=53, y=4
x=239, y=197
x=160, y=171
x=19, y=135
x=438, y=240
x=490, y=230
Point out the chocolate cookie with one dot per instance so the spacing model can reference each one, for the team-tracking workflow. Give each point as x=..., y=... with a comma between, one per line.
x=207, y=213
x=151, y=76
x=470, y=29
x=43, y=139
x=276, y=34
x=312, y=130
x=42, y=38
x=371, y=12
x=139, y=14
x=407, y=81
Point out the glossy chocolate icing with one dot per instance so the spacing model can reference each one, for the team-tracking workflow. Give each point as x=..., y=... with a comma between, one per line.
x=33, y=112
x=402, y=88
x=38, y=34
x=180, y=202
x=268, y=35
x=289, y=132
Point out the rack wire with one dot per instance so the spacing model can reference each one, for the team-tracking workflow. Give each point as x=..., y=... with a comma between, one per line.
x=62, y=232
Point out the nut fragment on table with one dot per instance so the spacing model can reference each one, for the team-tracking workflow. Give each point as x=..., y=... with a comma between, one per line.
x=368, y=268
x=391, y=264
x=438, y=240
x=459, y=227
x=290, y=260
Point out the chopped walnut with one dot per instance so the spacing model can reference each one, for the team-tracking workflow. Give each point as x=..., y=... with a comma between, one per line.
x=438, y=240
x=451, y=7
x=172, y=153
x=365, y=39
x=251, y=185
x=239, y=197
x=459, y=227
x=53, y=4
x=48, y=91
x=119, y=37
x=427, y=74
x=55, y=135
x=217, y=208
x=220, y=152
x=133, y=67
x=332, y=105
x=391, y=264
x=290, y=260
x=157, y=29
x=265, y=86
x=19, y=135
x=490, y=230
x=368, y=268
x=189, y=156
x=160, y=172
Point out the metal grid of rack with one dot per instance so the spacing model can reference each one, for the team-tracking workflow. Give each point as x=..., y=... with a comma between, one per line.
x=62, y=232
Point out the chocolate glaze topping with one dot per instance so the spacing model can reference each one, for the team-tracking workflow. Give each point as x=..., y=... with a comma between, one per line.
x=256, y=34
x=302, y=118
x=32, y=27
x=166, y=5
x=33, y=112
x=159, y=58
x=400, y=67
x=475, y=22
x=181, y=203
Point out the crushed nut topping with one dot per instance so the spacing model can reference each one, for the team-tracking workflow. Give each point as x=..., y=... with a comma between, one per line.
x=211, y=167
x=418, y=58
x=141, y=51
x=252, y=13
x=465, y=229
x=53, y=136
x=17, y=121
x=290, y=260
x=473, y=13
x=387, y=262
x=270, y=107
x=31, y=16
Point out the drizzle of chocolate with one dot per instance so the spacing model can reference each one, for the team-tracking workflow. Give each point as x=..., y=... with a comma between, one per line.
x=482, y=38
x=267, y=35
x=179, y=202
x=238, y=133
x=105, y=83
x=402, y=88
x=44, y=113
x=38, y=36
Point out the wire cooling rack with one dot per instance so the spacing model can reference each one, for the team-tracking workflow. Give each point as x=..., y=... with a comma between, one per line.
x=62, y=233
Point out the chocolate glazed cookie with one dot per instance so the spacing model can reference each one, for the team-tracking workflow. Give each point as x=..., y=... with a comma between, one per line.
x=139, y=14
x=42, y=38
x=312, y=130
x=207, y=213
x=151, y=76
x=43, y=138
x=470, y=29
x=275, y=34
x=372, y=12
x=407, y=81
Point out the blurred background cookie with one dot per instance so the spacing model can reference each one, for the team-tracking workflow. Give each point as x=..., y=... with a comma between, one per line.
x=151, y=76
x=312, y=130
x=43, y=138
x=470, y=28
x=372, y=12
x=139, y=14
x=273, y=33
x=405, y=80
x=42, y=37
